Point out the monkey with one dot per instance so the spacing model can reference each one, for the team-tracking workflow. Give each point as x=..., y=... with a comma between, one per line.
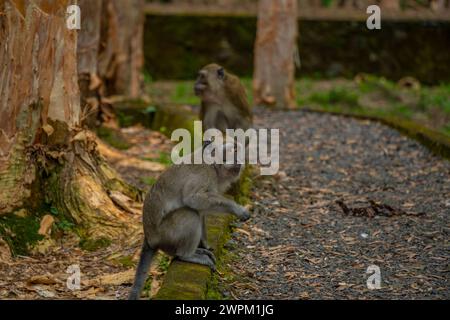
x=224, y=102
x=174, y=209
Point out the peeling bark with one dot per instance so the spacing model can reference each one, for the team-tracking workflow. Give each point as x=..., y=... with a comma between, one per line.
x=44, y=153
x=273, y=79
x=110, y=56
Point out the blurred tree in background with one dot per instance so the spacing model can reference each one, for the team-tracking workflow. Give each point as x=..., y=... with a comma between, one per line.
x=110, y=55
x=274, y=69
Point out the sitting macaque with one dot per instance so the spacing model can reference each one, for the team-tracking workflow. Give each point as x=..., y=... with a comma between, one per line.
x=224, y=102
x=174, y=209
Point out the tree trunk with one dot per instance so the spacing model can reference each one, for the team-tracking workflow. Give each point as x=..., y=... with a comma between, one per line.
x=273, y=79
x=45, y=156
x=390, y=5
x=110, y=55
x=121, y=54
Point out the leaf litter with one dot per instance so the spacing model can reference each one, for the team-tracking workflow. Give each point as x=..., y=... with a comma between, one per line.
x=106, y=273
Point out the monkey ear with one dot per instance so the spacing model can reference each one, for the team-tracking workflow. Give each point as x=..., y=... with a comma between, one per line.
x=206, y=143
x=221, y=73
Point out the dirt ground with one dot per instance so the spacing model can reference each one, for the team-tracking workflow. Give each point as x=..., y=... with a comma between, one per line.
x=106, y=273
x=349, y=194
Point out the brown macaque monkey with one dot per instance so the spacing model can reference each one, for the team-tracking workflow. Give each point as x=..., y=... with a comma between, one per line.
x=224, y=100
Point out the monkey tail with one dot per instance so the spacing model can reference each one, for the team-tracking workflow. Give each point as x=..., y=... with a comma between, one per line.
x=145, y=260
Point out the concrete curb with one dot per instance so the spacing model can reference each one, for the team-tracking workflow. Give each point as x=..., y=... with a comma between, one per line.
x=187, y=281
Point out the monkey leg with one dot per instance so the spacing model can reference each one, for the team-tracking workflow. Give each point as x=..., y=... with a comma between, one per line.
x=206, y=252
x=179, y=232
x=199, y=259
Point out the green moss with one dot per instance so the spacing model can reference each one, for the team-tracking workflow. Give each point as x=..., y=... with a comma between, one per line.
x=336, y=95
x=173, y=117
x=241, y=190
x=218, y=284
x=148, y=180
x=184, y=93
x=435, y=141
x=20, y=232
x=164, y=262
x=125, y=120
x=113, y=138
x=126, y=261
x=215, y=287
x=184, y=281
x=62, y=221
x=163, y=158
x=131, y=112
x=94, y=244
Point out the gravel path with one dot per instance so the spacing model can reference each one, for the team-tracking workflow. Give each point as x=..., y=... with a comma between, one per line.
x=349, y=194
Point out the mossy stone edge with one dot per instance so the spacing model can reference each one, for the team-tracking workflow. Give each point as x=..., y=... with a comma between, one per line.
x=183, y=280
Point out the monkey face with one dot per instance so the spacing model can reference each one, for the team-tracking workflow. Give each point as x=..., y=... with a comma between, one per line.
x=210, y=79
x=232, y=151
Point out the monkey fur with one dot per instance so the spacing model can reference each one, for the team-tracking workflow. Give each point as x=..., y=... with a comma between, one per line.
x=224, y=103
x=174, y=209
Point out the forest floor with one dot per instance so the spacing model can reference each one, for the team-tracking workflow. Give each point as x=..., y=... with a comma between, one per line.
x=349, y=194
x=108, y=272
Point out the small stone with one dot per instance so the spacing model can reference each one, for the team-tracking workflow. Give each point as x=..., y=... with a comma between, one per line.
x=364, y=235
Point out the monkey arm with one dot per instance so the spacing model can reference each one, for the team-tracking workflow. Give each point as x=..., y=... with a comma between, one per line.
x=213, y=118
x=216, y=202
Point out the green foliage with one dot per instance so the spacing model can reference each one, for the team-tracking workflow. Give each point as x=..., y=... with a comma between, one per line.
x=20, y=232
x=150, y=109
x=61, y=221
x=435, y=98
x=125, y=120
x=184, y=94
x=148, y=180
x=374, y=96
x=327, y=3
x=446, y=129
x=429, y=106
x=336, y=95
x=126, y=261
x=113, y=138
x=147, y=77
x=164, y=262
x=163, y=129
x=163, y=158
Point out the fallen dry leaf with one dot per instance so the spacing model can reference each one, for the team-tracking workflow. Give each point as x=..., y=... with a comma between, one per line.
x=125, y=202
x=5, y=253
x=46, y=224
x=42, y=279
x=141, y=164
x=48, y=129
x=114, y=279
